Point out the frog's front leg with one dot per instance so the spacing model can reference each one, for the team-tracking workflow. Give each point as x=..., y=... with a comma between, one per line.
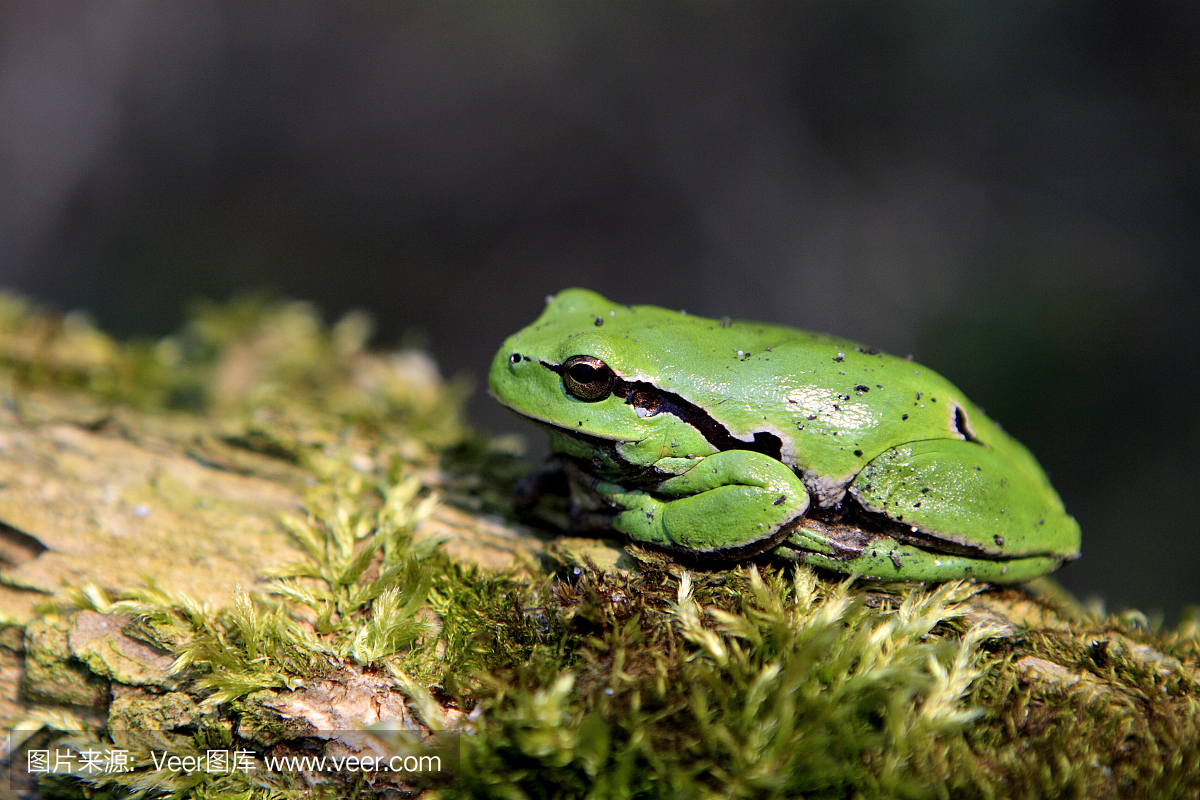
x=735, y=503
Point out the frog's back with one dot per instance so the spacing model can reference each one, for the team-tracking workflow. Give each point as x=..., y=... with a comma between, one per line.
x=833, y=403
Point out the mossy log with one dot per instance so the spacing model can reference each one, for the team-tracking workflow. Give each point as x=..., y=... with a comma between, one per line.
x=259, y=537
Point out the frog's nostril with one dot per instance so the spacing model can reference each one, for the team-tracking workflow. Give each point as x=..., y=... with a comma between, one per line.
x=515, y=358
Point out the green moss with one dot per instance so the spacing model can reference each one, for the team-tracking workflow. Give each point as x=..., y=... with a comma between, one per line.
x=771, y=688
x=1120, y=717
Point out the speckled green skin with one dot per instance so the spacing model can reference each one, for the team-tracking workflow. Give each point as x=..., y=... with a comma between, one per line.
x=870, y=464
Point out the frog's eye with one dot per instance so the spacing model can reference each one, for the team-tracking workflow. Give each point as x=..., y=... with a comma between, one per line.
x=587, y=377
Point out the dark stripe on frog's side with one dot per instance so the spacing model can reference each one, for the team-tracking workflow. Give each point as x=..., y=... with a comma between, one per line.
x=649, y=397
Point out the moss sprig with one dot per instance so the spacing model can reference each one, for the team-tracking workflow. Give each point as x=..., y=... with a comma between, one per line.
x=786, y=685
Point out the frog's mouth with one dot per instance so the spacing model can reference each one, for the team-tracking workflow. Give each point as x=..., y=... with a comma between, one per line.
x=632, y=474
x=591, y=438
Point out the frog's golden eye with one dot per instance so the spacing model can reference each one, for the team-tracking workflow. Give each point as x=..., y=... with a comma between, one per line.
x=587, y=377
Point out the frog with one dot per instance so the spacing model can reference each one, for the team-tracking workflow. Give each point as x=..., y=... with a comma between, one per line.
x=726, y=440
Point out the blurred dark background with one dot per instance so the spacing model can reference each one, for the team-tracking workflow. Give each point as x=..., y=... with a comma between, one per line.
x=1006, y=190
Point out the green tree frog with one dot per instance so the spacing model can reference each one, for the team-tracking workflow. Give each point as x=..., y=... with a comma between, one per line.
x=729, y=438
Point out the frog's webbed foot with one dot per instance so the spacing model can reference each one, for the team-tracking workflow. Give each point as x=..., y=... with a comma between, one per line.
x=590, y=511
x=550, y=481
x=541, y=498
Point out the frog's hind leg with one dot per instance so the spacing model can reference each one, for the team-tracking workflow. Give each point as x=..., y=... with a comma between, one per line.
x=942, y=509
x=850, y=549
